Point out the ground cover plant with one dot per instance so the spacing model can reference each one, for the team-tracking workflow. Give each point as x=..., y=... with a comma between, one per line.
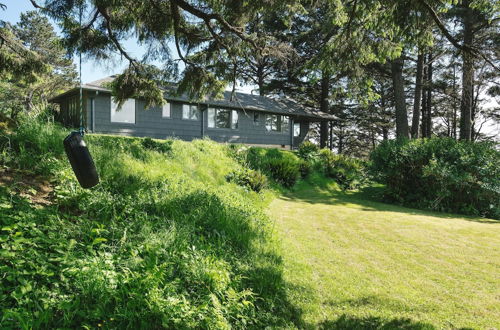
x=165, y=241
x=441, y=174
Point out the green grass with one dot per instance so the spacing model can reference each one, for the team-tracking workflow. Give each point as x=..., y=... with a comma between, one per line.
x=164, y=241
x=354, y=263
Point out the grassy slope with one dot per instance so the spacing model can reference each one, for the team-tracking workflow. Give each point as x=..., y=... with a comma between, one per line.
x=355, y=263
x=163, y=241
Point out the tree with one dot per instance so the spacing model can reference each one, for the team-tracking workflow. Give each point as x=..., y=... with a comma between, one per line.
x=35, y=34
x=209, y=37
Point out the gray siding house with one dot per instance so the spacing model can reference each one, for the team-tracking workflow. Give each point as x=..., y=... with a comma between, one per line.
x=248, y=119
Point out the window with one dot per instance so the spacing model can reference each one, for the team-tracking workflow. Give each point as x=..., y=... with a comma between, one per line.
x=272, y=122
x=222, y=118
x=296, y=129
x=165, y=110
x=277, y=123
x=255, y=118
x=190, y=112
x=125, y=114
x=234, y=119
x=285, y=123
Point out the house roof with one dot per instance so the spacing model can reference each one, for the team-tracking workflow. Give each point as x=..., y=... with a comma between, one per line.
x=281, y=105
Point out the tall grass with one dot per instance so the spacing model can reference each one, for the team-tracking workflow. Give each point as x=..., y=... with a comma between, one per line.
x=163, y=242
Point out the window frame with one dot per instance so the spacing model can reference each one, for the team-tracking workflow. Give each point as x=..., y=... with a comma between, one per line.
x=300, y=129
x=169, y=110
x=280, y=119
x=190, y=107
x=113, y=109
x=256, y=118
x=231, y=124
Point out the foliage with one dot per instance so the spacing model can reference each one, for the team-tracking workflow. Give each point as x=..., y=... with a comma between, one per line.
x=282, y=166
x=348, y=172
x=307, y=151
x=160, y=146
x=163, y=242
x=305, y=168
x=245, y=177
x=31, y=90
x=441, y=174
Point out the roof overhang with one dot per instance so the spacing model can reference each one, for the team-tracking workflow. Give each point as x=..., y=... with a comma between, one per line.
x=73, y=90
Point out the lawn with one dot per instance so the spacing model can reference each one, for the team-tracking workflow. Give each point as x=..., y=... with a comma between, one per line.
x=352, y=262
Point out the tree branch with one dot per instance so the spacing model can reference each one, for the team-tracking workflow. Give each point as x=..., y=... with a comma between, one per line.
x=465, y=48
x=111, y=35
x=211, y=16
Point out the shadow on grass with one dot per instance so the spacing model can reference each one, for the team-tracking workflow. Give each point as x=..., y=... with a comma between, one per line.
x=369, y=198
x=370, y=322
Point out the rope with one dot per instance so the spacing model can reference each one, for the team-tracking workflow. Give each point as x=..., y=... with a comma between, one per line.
x=82, y=129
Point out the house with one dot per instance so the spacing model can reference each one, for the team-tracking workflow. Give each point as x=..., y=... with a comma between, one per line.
x=248, y=119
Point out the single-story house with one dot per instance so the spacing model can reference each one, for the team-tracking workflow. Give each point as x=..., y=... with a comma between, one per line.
x=249, y=119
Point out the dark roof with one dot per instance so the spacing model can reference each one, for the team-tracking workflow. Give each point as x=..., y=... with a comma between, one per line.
x=281, y=105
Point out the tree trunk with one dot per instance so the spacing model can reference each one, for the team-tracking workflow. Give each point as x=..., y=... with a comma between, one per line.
x=428, y=103
x=415, y=123
x=423, y=128
x=467, y=77
x=331, y=136
x=323, y=107
x=260, y=79
x=402, y=130
x=340, y=147
x=454, y=119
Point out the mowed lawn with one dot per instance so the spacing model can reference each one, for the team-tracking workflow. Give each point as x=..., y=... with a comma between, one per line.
x=353, y=263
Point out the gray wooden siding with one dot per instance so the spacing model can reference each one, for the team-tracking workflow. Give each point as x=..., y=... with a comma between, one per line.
x=151, y=123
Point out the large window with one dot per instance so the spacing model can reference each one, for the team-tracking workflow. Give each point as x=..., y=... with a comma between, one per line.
x=296, y=129
x=256, y=118
x=125, y=114
x=222, y=118
x=190, y=112
x=165, y=110
x=277, y=123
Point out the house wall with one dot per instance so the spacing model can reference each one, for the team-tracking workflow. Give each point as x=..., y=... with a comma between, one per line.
x=151, y=123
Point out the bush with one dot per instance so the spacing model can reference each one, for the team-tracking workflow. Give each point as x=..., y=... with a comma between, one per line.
x=282, y=166
x=440, y=174
x=305, y=168
x=254, y=180
x=160, y=146
x=348, y=172
x=308, y=151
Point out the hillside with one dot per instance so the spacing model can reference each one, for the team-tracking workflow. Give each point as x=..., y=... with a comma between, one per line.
x=163, y=241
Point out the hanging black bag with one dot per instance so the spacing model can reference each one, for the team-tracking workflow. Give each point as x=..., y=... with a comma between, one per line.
x=81, y=160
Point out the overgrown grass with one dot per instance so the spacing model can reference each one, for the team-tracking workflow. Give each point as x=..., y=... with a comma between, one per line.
x=163, y=242
x=355, y=263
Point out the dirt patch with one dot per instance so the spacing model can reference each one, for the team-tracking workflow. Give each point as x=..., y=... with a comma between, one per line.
x=37, y=189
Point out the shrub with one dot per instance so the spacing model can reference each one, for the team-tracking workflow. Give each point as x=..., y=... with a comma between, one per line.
x=440, y=174
x=348, y=172
x=307, y=151
x=160, y=146
x=282, y=166
x=245, y=177
x=305, y=168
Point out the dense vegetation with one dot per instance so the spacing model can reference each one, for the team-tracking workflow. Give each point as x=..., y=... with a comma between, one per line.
x=164, y=241
x=441, y=174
